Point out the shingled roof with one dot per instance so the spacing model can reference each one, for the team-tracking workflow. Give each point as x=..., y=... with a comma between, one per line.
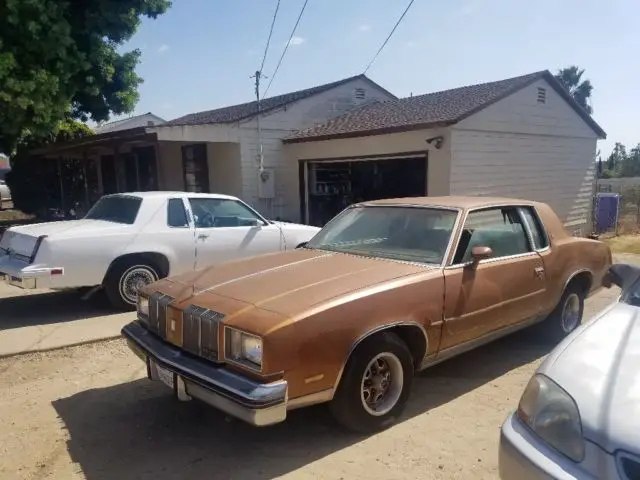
x=431, y=110
x=243, y=111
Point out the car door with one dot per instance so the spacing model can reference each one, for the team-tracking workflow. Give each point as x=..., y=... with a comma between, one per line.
x=500, y=291
x=227, y=229
x=180, y=234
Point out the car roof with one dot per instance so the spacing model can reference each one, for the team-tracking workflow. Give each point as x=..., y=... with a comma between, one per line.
x=458, y=202
x=174, y=194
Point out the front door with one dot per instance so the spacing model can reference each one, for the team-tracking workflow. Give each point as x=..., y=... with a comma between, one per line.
x=506, y=289
x=227, y=229
x=195, y=168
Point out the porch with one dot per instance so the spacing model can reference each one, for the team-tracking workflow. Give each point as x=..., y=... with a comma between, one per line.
x=139, y=159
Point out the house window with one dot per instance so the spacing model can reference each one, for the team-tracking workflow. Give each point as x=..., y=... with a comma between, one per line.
x=542, y=95
x=359, y=94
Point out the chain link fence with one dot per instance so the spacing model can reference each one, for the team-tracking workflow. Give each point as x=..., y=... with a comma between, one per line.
x=616, y=208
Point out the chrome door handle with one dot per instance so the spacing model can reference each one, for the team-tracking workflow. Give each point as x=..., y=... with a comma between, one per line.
x=203, y=236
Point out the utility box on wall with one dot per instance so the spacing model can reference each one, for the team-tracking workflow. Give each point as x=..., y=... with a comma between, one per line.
x=267, y=183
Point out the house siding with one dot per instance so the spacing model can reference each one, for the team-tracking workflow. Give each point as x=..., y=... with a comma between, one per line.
x=521, y=148
x=278, y=125
x=559, y=171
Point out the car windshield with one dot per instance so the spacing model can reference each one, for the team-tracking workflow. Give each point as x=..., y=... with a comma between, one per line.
x=413, y=234
x=119, y=209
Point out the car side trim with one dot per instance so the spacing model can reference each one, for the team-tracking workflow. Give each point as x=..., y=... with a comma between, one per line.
x=379, y=329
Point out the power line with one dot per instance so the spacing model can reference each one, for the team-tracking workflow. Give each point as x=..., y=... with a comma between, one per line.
x=266, y=48
x=286, y=47
x=390, y=34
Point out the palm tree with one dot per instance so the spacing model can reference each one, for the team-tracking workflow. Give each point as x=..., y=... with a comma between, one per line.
x=570, y=78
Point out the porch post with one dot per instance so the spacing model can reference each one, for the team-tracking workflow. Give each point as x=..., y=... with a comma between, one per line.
x=116, y=165
x=59, y=164
x=159, y=172
x=85, y=159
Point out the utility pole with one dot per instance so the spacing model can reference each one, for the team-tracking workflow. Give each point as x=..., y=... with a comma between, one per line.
x=258, y=75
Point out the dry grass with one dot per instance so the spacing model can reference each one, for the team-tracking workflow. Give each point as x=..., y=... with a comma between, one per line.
x=13, y=215
x=624, y=244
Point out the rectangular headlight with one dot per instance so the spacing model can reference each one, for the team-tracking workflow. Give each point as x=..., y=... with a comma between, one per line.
x=244, y=348
x=143, y=307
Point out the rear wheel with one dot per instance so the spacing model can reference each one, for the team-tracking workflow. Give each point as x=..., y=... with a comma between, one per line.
x=376, y=384
x=567, y=316
x=125, y=279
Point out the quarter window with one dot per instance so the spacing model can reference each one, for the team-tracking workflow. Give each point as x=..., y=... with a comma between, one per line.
x=500, y=229
x=176, y=214
x=537, y=231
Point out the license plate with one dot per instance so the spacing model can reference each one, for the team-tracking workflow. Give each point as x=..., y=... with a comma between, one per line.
x=165, y=376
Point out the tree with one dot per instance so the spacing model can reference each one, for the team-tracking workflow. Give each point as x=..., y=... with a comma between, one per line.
x=571, y=79
x=617, y=157
x=34, y=182
x=59, y=58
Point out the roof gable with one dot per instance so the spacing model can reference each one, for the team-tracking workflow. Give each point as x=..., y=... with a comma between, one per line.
x=243, y=111
x=123, y=123
x=431, y=110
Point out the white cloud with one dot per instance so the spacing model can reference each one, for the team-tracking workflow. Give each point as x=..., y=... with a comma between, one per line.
x=296, y=41
x=163, y=49
x=364, y=28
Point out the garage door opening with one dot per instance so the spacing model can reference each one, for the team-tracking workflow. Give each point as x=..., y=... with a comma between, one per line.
x=329, y=186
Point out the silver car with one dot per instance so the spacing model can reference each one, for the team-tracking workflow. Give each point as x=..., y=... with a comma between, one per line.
x=579, y=416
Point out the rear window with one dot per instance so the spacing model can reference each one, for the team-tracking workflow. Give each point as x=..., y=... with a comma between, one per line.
x=119, y=209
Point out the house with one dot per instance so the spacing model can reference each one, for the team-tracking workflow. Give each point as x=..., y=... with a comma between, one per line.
x=145, y=120
x=235, y=150
x=522, y=137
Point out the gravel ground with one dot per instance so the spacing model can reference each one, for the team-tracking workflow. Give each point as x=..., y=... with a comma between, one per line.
x=87, y=412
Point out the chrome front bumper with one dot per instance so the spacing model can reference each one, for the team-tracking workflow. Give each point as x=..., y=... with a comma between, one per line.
x=256, y=403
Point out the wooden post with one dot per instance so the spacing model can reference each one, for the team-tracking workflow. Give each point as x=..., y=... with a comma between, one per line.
x=61, y=185
x=85, y=159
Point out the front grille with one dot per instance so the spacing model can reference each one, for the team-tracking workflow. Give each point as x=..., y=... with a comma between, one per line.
x=200, y=331
x=158, y=303
x=629, y=466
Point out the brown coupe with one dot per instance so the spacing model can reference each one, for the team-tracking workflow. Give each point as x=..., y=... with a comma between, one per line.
x=385, y=289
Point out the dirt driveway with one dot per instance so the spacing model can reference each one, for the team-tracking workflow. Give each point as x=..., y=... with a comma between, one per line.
x=87, y=412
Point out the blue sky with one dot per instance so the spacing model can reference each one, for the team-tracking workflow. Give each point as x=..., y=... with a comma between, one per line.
x=201, y=53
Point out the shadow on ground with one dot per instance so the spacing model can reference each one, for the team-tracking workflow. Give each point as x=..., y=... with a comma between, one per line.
x=137, y=430
x=47, y=308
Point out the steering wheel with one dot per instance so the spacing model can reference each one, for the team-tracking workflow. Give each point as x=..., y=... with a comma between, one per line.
x=208, y=220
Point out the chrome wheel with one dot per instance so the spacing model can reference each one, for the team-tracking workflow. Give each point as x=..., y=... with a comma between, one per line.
x=571, y=313
x=382, y=384
x=133, y=279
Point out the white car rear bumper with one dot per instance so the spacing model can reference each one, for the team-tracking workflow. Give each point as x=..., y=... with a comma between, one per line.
x=17, y=272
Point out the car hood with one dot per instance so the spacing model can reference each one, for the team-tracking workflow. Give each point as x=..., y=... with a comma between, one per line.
x=289, y=283
x=599, y=366
x=67, y=227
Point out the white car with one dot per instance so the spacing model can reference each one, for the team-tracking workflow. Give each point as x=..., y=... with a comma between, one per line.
x=127, y=240
x=5, y=193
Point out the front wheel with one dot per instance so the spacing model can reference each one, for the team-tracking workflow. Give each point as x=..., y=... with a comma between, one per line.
x=124, y=281
x=376, y=384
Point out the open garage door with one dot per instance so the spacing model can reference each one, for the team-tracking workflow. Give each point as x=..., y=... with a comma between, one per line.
x=329, y=186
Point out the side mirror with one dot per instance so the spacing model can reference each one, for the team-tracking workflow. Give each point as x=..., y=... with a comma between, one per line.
x=480, y=253
x=302, y=245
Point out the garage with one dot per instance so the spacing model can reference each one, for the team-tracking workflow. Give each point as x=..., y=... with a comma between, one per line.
x=328, y=186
